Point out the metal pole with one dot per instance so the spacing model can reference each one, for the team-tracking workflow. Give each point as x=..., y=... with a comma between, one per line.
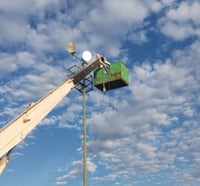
x=84, y=139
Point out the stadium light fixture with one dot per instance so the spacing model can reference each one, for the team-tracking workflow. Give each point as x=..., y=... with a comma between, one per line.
x=86, y=55
x=71, y=48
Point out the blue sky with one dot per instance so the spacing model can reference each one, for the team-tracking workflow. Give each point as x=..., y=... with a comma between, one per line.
x=144, y=134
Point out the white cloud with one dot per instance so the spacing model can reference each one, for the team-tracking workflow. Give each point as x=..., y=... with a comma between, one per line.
x=75, y=170
x=15, y=16
x=38, y=41
x=125, y=12
x=13, y=30
x=154, y=6
x=110, y=177
x=25, y=59
x=182, y=22
x=167, y=2
x=138, y=36
x=176, y=31
x=103, y=23
x=43, y=3
x=15, y=155
x=7, y=64
x=110, y=21
x=61, y=183
x=157, y=6
x=185, y=12
x=13, y=21
x=91, y=166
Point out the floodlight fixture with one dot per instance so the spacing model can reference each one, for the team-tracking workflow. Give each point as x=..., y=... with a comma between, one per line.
x=86, y=56
x=71, y=48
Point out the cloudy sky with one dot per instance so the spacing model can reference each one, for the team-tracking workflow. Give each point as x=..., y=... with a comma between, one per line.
x=145, y=134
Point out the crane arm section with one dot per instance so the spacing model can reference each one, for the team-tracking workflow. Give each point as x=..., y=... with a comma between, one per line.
x=14, y=132
x=20, y=127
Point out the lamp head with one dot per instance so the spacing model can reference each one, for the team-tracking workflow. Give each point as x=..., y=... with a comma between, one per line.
x=71, y=48
x=86, y=55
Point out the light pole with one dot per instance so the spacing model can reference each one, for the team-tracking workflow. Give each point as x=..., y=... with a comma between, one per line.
x=84, y=138
x=84, y=87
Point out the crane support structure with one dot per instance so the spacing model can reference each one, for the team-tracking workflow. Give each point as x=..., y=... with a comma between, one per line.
x=14, y=132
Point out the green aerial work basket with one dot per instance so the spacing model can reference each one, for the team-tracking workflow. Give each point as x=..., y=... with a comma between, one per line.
x=115, y=77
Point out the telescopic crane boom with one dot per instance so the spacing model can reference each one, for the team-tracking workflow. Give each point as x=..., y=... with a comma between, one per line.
x=15, y=131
